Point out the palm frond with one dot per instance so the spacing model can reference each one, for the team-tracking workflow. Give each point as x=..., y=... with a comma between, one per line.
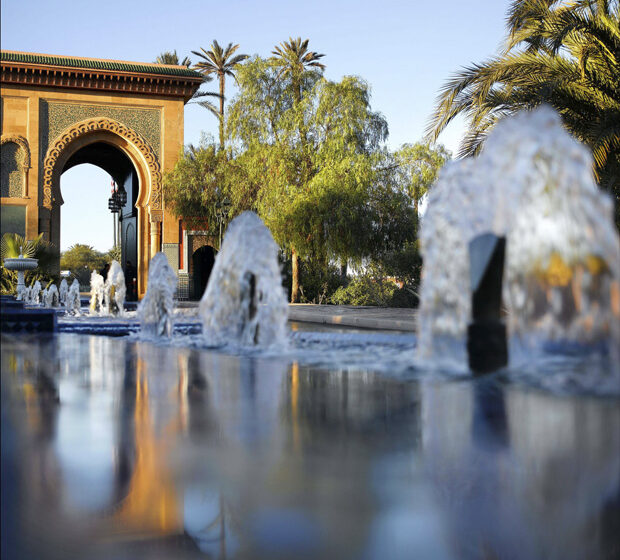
x=210, y=107
x=564, y=54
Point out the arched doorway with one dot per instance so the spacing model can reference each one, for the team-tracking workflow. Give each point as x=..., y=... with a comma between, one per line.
x=203, y=260
x=121, y=152
x=119, y=167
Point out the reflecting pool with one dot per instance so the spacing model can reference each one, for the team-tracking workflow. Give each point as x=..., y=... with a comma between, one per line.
x=120, y=448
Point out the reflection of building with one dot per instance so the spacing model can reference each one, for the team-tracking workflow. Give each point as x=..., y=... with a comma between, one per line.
x=151, y=504
x=124, y=117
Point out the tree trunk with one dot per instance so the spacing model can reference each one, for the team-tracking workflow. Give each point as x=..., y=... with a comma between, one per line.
x=222, y=87
x=295, y=280
x=343, y=270
x=416, y=208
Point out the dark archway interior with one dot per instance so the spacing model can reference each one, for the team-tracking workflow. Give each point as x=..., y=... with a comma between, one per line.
x=119, y=166
x=202, y=264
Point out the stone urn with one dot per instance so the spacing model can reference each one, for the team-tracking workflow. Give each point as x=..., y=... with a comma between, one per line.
x=21, y=264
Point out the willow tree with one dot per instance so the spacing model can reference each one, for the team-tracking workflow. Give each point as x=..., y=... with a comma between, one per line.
x=416, y=167
x=294, y=61
x=320, y=190
x=566, y=54
x=221, y=63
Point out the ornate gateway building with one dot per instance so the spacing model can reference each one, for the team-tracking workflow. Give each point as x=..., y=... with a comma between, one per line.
x=125, y=117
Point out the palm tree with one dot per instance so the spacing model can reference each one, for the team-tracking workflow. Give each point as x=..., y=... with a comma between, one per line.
x=560, y=53
x=168, y=57
x=295, y=58
x=222, y=63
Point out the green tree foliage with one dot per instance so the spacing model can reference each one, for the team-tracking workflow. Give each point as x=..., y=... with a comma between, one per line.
x=416, y=167
x=81, y=260
x=221, y=63
x=294, y=60
x=317, y=166
x=168, y=57
x=114, y=254
x=367, y=289
x=194, y=185
x=202, y=177
x=566, y=54
x=308, y=155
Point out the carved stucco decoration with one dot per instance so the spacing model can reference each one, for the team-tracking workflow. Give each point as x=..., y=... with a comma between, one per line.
x=24, y=160
x=102, y=123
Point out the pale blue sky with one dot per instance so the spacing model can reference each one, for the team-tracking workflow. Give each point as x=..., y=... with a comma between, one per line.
x=405, y=50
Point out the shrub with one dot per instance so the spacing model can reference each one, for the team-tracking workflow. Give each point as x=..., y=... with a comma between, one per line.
x=319, y=282
x=366, y=289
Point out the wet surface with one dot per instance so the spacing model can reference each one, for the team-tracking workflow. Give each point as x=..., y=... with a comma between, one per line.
x=116, y=448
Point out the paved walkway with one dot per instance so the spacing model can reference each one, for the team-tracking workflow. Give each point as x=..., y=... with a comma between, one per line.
x=379, y=318
x=382, y=318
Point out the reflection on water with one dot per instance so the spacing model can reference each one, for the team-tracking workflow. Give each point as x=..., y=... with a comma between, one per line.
x=121, y=449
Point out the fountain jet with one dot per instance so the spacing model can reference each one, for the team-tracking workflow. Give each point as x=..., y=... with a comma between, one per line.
x=244, y=302
x=155, y=310
x=115, y=290
x=35, y=293
x=97, y=293
x=533, y=185
x=73, y=299
x=64, y=290
x=51, y=296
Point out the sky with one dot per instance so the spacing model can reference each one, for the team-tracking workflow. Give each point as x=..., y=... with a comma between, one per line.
x=405, y=50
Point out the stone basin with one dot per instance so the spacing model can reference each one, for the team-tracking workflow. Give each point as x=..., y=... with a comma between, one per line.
x=21, y=263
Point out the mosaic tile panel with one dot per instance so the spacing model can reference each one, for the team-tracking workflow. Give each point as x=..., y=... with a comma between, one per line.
x=57, y=117
x=171, y=250
x=12, y=180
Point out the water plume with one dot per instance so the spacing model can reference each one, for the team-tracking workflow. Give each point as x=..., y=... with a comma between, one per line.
x=244, y=302
x=532, y=184
x=115, y=290
x=73, y=299
x=156, y=308
x=97, y=293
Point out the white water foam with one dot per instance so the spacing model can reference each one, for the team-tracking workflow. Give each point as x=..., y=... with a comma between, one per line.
x=533, y=184
x=115, y=290
x=97, y=293
x=73, y=299
x=64, y=290
x=244, y=303
x=157, y=307
x=51, y=296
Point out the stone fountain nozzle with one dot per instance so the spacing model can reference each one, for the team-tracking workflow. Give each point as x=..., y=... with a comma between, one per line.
x=487, y=346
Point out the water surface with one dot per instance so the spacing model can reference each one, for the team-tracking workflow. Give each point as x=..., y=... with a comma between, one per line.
x=119, y=448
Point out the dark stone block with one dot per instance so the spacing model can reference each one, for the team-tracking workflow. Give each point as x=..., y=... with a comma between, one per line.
x=16, y=320
x=9, y=302
x=486, y=271
x=486, y=336
x=487, y=347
